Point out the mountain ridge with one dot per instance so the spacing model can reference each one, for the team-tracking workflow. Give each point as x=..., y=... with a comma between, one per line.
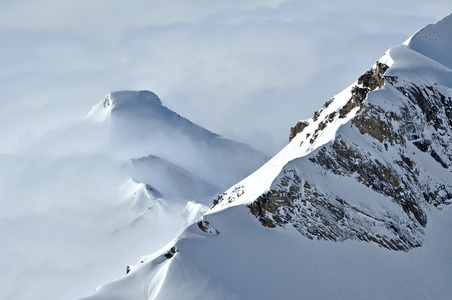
x=386, y=127
x=371, y=170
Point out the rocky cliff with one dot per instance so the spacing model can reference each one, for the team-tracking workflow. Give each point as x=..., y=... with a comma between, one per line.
x=395, y=145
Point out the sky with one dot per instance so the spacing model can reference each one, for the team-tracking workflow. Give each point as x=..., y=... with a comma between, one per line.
x=248, y=70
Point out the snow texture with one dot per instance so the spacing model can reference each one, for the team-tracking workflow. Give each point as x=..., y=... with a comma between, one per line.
x=102, y=191
x=373, y=165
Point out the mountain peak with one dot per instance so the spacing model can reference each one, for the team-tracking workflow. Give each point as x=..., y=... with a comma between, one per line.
x=121, y=98
x=433, y=41
x=124, y=101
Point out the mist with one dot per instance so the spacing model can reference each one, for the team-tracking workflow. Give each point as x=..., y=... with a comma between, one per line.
x=87, y=198
x=246, y=70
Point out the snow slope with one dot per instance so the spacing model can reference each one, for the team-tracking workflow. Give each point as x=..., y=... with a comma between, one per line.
x=248, y=261
x=175, y=156
x=371, y=171
x=121, y=182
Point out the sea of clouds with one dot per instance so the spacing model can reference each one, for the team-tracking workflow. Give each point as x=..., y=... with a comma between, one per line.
x=248, y=70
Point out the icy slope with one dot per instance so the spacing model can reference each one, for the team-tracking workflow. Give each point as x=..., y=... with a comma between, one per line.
x=371, y=169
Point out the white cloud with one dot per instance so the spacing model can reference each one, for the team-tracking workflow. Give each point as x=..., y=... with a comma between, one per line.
x=205, y=60
x=245, y=69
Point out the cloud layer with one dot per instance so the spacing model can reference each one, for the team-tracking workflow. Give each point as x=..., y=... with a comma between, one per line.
x=245, y=69
x=248, y=70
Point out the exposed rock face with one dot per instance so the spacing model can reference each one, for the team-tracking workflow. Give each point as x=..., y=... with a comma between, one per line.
x=280, y=201
x=297, y=128
x=375, y=122
x=169, y=254
x=206, y=227
x=321, y=215
x=373, y=78
x=369, y=81
x=392, y=167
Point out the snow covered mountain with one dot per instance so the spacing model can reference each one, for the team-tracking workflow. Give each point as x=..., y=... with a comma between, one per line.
x=118, y=183
x=354, y=207
x=144, y=130
x=168, y=152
